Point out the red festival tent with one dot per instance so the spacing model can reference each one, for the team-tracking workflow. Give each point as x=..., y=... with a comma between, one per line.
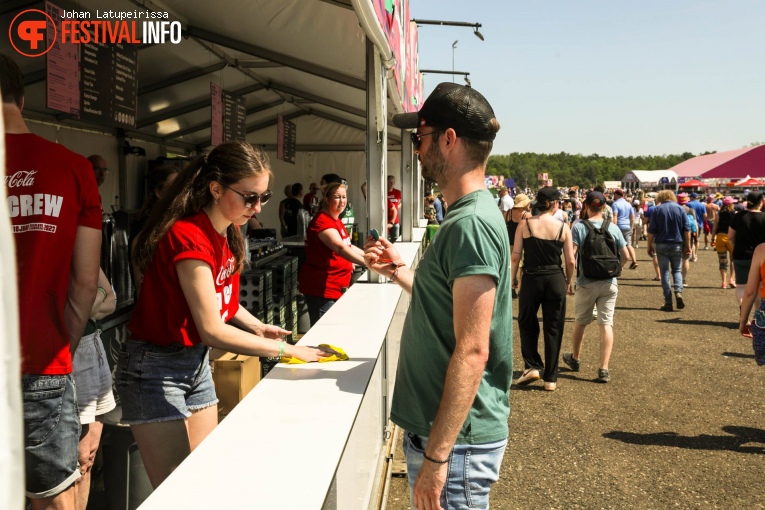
x=736, y=164
x=748, y=182
x=694, y=183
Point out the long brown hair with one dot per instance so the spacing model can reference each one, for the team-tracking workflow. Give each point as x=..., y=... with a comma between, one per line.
x=227, y=164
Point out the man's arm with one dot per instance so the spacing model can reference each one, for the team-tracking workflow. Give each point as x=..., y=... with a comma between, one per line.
x=473, y=298
x=83, y=282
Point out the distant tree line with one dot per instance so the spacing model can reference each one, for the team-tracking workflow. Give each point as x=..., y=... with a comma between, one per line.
x=568, y=170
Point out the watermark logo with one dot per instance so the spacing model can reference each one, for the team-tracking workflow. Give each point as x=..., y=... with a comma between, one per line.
x=28, y=33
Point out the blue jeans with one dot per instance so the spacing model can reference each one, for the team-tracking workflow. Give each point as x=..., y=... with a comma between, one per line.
x=670, y=256
x=472, y=470
x=163, y=382
x=52, y=434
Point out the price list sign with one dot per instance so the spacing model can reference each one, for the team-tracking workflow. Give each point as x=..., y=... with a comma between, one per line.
x=216, y=115
x=286, y=139
x=62, y=68
x=234, y=117
x=109, y=84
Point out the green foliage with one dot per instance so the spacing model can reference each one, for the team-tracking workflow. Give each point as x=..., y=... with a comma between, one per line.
x=575, y=169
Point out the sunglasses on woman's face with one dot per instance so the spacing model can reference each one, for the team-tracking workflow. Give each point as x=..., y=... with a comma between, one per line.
x=252, y=200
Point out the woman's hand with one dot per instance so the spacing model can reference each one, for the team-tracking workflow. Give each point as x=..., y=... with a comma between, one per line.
x=744, y=329
x=516, y=284
x=570, y=289
x=308, y=354
x=271, y=331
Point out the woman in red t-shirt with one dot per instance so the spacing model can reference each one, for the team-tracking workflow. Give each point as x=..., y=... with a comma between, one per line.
x=329, y=254
x=190, y=254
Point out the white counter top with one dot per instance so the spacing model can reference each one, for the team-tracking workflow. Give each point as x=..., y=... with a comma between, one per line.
x=281, y=446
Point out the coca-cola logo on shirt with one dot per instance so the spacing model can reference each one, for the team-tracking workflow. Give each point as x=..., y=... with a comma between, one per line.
x=21, y=179
x=225, y=271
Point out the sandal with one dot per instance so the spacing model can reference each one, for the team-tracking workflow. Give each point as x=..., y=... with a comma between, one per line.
x=633, y=265
x=732, y=284
x=655, y=279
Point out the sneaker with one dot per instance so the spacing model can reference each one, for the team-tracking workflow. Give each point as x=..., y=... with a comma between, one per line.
x=732, y=284
x=568, y=359
x=724, y=285
x=528, y=376
x=679, y=299
x=550, y=386
x=667, y=307
x=603, y=375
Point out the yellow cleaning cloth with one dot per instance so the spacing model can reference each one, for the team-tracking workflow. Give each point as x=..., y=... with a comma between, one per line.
x=339, y=356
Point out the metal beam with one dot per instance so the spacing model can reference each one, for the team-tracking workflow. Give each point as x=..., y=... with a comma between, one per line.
x=345, y=4
x=180, y=78
x=268, y=123
x=35, y=77
x=263, y=64
x=17, y=6
x=97, y=128
x=273, y=56
x=357, y=125
x=197, y=105
x=316, y=99
x=206, y=124
x=329, y=148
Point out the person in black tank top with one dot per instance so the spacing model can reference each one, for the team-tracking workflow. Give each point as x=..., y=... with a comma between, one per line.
x=544, y=284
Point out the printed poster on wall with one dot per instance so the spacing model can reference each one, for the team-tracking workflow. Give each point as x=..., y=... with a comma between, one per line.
x=62, y=67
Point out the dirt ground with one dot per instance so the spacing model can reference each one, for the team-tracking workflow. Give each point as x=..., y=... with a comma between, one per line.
x=680, y=425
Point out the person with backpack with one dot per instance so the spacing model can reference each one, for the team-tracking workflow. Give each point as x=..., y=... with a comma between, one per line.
x=601, y=251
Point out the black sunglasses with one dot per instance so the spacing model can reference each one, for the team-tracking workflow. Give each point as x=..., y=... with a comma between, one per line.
x=251, y=200
x=417, y=138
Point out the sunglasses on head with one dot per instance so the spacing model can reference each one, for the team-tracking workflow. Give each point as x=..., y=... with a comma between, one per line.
x=253, y=199
x=417, y=138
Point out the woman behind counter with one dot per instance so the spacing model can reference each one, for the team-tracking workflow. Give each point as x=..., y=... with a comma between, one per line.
x=191, y=253
x=329, y=254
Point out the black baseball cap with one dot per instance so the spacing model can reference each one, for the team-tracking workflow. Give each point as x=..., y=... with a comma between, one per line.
x=455, y=106
x=595, y=198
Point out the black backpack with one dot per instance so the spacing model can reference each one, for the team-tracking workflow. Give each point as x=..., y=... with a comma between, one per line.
x=599, y=253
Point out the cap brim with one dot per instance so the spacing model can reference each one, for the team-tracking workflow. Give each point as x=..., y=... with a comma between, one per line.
x=405, y=120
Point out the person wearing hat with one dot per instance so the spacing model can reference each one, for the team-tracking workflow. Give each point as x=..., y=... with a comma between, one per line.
x=590, y=292
x=542, y=240
x=720, y=241
x=625, y=220
x=521, y=209
x=455, y=364
x=747, y=230
x=669, y=237
x=505, y=203
x=701, y=216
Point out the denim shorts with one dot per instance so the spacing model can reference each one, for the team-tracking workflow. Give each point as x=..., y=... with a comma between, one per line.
x=51, y=434
x=163, y=383
x=93, y=378
x=472, y=470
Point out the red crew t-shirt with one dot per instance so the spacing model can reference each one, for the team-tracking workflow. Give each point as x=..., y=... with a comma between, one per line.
x=324, y=273
x=161, y=314
x=394, y=199
x=51, y=191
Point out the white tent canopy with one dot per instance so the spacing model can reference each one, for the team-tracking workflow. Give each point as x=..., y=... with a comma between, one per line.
x=649, y=178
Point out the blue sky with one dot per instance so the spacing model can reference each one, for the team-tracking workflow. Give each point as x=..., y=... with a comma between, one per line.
x=612, y=78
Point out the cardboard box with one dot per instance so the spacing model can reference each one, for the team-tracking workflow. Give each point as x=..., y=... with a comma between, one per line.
x=234, y=376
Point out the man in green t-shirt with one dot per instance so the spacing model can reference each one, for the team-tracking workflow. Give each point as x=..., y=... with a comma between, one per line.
x=455, y=364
